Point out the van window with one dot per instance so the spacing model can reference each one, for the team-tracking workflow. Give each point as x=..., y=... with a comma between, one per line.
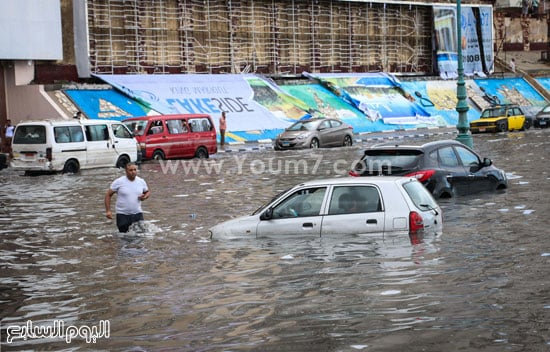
x=120, y=131
x=136, y=126
x=156, y=127
x=31, y=134
x=68, y=134
x=176, y=126
x=200, y=125
x=97, y=133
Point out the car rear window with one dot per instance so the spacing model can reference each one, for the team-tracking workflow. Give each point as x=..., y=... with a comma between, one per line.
x=420, y=196
x=30, y=134
x=396, y=160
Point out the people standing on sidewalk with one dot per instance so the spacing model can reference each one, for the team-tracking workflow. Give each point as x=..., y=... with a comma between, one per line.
x=8, y=136
x=513, y=65
x=223, y=127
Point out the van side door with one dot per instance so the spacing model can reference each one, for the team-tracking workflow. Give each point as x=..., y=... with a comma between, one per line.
x=70, y=142
x=178, y=137
x=202, y=134
x=156, y=140
x=99, y=151
x=123, y=142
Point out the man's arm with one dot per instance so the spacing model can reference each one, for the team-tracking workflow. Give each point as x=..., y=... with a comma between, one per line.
x=108, y=196
x=145, y=195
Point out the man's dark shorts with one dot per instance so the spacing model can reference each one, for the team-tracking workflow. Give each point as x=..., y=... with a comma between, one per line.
x=123, y=221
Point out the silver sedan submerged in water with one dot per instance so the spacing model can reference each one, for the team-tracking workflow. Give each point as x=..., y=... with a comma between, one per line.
x=341, y=206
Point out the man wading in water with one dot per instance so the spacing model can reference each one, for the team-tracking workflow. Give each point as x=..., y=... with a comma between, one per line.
x=131, y=190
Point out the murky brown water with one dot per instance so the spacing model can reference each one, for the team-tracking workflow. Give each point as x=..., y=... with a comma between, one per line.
x=482, y=285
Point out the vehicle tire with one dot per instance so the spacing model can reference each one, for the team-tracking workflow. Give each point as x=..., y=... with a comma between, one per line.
x=314, y=144
x=348, y=141
x=158, y=155
x=502, y=126
x=526, y=125
x=122, y=161
x=201, y=153
x=71, y=167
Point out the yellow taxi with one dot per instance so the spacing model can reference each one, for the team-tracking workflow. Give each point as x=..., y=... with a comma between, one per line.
x=501, y=118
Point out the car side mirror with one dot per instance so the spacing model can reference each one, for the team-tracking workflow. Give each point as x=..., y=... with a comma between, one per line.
x=267, y=214
x=486, y=162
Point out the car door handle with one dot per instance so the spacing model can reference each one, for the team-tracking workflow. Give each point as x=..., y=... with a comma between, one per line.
x=307, y=224
x=372, y=221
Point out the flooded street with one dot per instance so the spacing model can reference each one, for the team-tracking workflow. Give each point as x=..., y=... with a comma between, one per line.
x=482, y=285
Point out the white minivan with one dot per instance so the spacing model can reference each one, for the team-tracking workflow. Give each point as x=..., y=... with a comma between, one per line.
x=71, y=145
x=342, y=206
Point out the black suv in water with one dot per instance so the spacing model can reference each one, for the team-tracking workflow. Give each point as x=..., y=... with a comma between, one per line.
x=446, y=167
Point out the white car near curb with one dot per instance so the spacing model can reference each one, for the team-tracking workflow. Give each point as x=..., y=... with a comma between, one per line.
x=341, y=206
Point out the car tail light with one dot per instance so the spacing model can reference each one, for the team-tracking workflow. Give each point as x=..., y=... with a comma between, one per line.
x=422, y=176
x=49, y=154
x=353, y=173
x=416, y=222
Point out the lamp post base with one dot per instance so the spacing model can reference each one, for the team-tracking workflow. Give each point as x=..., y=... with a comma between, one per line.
x=466, y=139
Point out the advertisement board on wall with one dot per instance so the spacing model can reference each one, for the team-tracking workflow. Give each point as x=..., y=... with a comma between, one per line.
x=476, y=40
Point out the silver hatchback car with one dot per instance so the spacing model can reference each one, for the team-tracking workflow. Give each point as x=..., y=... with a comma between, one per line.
x=315, y=133
x=341, y=206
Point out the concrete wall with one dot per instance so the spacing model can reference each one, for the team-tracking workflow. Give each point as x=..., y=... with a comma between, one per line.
x=26, y=101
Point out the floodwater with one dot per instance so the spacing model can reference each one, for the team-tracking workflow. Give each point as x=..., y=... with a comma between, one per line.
x=482, y=285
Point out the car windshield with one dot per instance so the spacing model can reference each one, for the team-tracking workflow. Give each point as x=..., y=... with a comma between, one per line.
x=261, y=208
x=394, y=159
x=137, y=127
x=490, y=113
x=303, y=126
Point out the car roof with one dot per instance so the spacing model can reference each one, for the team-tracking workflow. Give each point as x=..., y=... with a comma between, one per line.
x=499, y=106
x=424, y=146
x=337, y=181
x=315, y=119
x=166, y=117
x=73, y=122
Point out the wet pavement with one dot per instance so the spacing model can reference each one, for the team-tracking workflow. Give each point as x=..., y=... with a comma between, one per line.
x=482, y=285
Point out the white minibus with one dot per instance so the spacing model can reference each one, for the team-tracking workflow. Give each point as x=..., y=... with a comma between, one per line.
x=72, y=145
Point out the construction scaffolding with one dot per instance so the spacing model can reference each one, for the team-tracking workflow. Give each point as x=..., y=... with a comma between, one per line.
x=252, y=36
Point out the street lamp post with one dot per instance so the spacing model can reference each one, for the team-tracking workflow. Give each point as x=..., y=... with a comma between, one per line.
x=463, y=126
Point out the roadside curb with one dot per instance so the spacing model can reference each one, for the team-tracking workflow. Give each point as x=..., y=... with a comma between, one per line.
x=267, y=144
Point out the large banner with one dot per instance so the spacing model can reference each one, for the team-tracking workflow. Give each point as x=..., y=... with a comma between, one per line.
x=477, y=50
x=378, y=95
x=237, y=95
